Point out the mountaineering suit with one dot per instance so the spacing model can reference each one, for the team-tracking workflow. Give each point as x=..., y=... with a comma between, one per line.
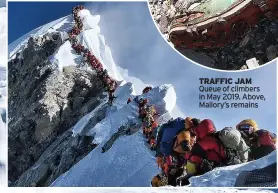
x=261, y=142
x=111, y=98
x=186, y=138
x=129, y=101
x=142, y=104
x=207, y=153
x=166, y=135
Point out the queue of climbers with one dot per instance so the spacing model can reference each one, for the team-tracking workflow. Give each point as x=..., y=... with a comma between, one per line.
x=108, y=83
x=184, y=147
x=190, y=147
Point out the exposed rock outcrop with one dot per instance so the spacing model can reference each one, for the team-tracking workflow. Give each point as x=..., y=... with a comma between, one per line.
x=44, y=103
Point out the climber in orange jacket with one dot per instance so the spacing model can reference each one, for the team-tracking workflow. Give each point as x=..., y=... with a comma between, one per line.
x=207, y=153
x=186, y=138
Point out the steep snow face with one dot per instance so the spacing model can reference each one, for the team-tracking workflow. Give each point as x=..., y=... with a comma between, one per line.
x=89, y=21
x=129, y=113
x=92, y=39
x=129, y=162
x=123, y=93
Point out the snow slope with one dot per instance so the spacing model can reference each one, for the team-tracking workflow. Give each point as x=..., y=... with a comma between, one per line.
x=59, y=25
x=138, y=190
x=3, y=37
x=128, y=162
x=3, y=94
x=226, y=176
x=163, y=97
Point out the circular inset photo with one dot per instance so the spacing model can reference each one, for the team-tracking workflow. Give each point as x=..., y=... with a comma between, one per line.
x=226, y=34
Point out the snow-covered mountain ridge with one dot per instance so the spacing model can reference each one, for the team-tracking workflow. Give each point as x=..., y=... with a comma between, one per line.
x=100, y=122
x=70, y=136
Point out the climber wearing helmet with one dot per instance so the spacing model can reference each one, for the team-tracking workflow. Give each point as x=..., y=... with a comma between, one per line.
x=184, y=142
x=159, y=180
x=247, y=127
x=207, y=153
x=260, y=141
x=186, y=138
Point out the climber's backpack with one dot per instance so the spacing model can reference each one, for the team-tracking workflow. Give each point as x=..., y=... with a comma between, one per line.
x=235, y=147
x=266, y=138
x=172, y=129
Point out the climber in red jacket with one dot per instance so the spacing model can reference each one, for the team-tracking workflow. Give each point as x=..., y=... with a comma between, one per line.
x=260, y=141
x=206, y=153
x=263, y=143
x=129, y=101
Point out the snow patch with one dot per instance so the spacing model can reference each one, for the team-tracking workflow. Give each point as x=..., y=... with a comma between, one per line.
x=226, y=176
x=3, y=37
x=89, y=21
x=65, y=56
